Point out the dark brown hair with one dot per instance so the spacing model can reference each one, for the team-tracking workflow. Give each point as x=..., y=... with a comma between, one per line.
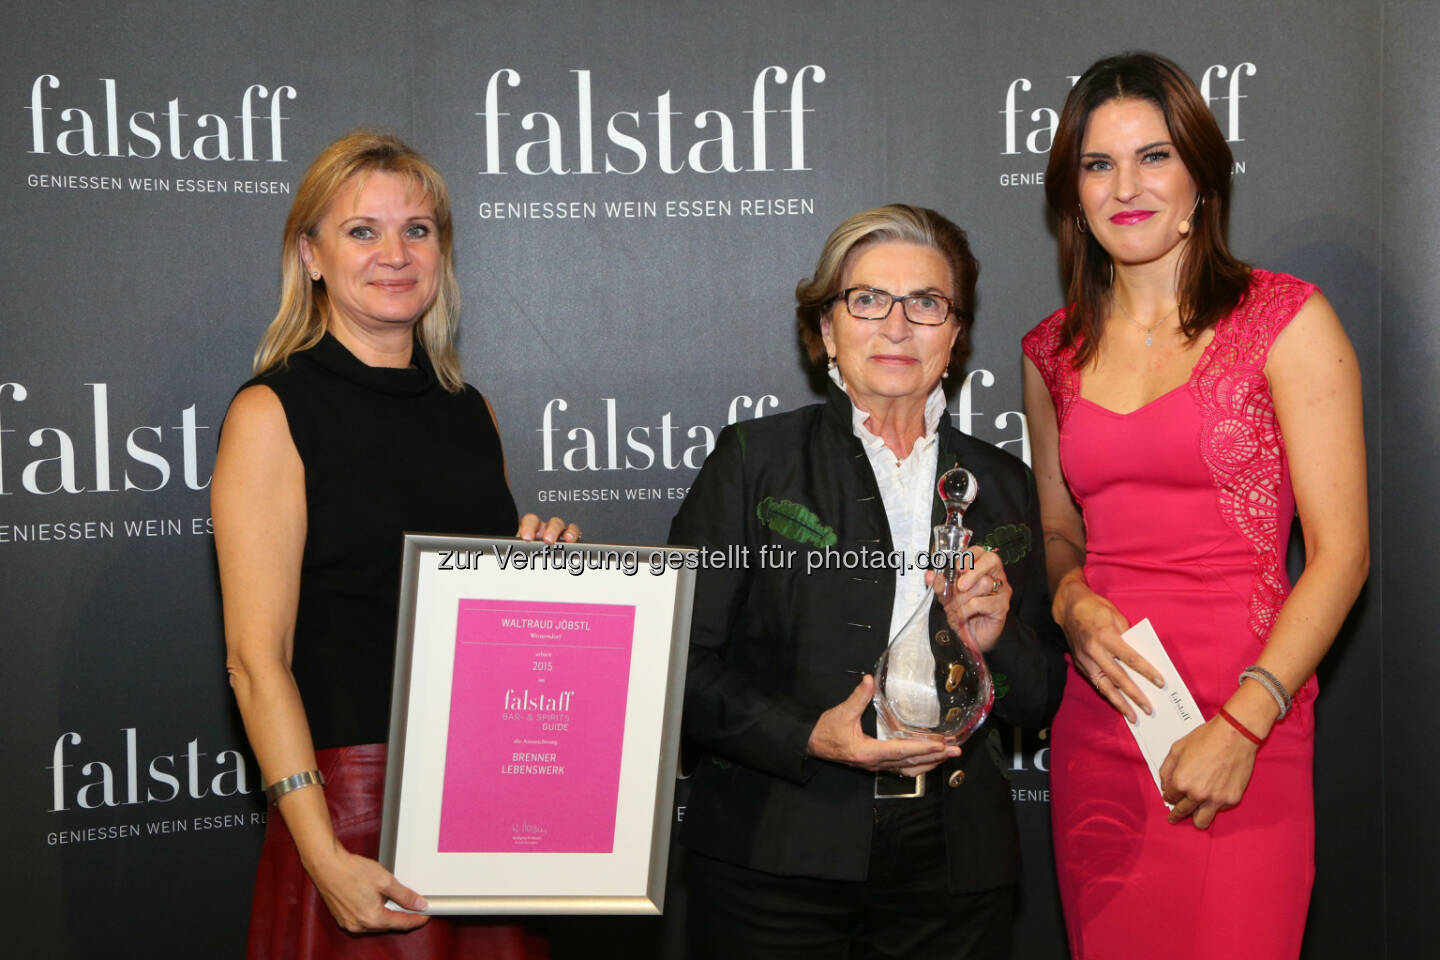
x=893, y=223
x=1211, y=281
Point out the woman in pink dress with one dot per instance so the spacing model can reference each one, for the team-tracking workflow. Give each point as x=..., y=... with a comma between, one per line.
x=1182, y=408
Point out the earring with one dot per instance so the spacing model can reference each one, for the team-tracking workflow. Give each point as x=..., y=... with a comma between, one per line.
x=1184, y=225
x=830, y=363
x=1080, y=225
x=314, y=274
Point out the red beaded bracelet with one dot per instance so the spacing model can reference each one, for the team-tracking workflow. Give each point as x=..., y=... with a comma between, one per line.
x=1244, y=731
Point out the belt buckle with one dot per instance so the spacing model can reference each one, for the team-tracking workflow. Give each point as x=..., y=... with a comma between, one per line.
x=917, y=787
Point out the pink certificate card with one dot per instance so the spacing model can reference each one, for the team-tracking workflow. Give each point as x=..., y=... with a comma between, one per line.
x=537, y=718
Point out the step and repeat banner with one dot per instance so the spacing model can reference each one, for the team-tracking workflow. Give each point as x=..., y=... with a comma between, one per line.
x=637, y=189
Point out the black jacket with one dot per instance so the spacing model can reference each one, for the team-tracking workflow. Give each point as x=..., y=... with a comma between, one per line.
x=773, y=646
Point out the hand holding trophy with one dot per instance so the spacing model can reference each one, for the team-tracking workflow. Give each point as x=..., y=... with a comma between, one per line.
x=937, y=687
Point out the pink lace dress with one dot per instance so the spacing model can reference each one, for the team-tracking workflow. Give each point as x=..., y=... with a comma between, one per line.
x=1187, y=507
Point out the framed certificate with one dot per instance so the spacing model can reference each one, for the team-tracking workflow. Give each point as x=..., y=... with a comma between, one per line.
x=535, y=724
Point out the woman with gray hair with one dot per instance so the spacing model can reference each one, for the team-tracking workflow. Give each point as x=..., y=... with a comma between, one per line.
x=810, y=829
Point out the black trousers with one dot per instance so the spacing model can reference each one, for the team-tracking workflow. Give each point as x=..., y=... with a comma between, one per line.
x=903, y=909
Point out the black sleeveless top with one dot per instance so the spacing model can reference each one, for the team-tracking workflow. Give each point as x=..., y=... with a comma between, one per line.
x=385, y=451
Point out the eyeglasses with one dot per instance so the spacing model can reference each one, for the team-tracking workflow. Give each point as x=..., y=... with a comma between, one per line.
x=867, y=303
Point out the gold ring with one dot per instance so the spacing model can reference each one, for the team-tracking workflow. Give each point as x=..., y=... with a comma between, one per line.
x=995, y=585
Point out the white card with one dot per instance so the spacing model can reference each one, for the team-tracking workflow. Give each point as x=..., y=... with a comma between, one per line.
x=1175, y=711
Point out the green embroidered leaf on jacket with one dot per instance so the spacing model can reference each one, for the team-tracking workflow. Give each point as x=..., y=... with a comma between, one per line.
x=1001, y=684
x=795, y=522
x=1011, y=541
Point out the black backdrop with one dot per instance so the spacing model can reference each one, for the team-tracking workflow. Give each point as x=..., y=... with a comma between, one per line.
x=147, y=163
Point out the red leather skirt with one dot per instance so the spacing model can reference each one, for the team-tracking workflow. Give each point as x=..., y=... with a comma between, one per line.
x=289, y=919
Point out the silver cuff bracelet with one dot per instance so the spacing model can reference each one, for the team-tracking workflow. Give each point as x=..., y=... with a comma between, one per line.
x=309, y=778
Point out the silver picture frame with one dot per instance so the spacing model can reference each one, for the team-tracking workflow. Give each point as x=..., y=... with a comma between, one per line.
x=489, y=631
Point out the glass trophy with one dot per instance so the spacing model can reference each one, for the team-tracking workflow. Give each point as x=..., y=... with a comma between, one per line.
x=936, y=686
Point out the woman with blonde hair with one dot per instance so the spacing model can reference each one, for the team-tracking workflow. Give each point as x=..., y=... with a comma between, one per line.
x=356, y=427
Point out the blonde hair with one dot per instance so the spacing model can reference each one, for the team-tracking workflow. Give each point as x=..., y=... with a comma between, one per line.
x=303, y=315
x=893, y=223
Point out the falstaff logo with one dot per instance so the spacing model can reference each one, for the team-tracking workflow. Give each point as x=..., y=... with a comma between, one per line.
x=120, y=771
x=615, y=446
x=90, y=121
x=152, y=451
x=1219, y=85
x=632, y=138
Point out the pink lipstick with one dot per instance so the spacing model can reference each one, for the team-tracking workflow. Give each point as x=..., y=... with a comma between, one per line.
x=1126, y=218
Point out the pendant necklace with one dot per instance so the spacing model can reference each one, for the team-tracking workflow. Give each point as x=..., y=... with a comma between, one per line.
x=1148, y=331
